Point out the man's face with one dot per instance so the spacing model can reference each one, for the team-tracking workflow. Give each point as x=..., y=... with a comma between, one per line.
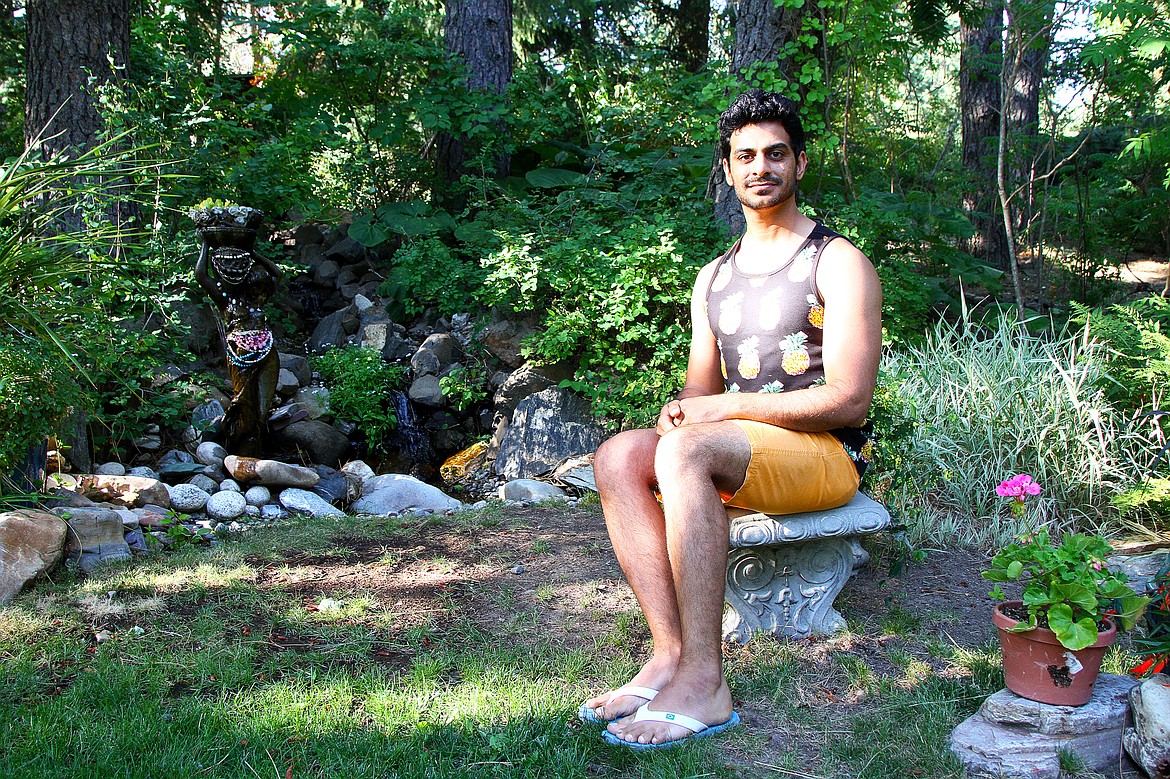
x=763, y=168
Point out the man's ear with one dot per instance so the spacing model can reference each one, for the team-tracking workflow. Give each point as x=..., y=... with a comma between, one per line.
x=727, y=173
x=801, y=165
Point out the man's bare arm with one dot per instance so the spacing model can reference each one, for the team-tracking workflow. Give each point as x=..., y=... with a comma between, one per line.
x=704, y=376
x=851, y=352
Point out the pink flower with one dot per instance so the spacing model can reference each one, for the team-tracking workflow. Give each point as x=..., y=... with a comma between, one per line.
x=1018, y=487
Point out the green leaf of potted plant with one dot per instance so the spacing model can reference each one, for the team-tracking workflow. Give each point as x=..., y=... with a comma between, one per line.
x=1072, y=605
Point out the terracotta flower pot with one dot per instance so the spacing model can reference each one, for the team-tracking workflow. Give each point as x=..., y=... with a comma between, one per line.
x=1037, y=667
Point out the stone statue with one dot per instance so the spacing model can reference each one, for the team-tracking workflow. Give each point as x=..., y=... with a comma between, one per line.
x=239, y=283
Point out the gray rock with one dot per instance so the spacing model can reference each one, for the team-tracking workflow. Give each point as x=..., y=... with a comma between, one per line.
x=426, y=391
x=129, y=518
x=394, y=493
x=345, y=277
x=308, y=235
x=173, y=473
x=1147, y=740
x=206, y=483
x=503, y=339
x=298, y=366
x=530, y=489
x=174, y=456
x=226, y=506
x=328, y=334
x=525, y=381
x=436, y=353
x=326, y=273
x=314, y=400
x=148, y=443
x=333, y=487
x=97, y=537
x=347, y=251
x=252, y=511
x=137, y=542
x=305, y=502
x=230, y=485
x=362, y=303
x=31, y=545
x=271, y=473
x=320, y=441
x=205, y=416
x=258, y=495
x=110, y=469
x=1140, y=569
x=143, y=472
x=1013, y=737
x=188, y=498
x=210, y=453
x=546, y=428
x=286, y=383
x=273, y=512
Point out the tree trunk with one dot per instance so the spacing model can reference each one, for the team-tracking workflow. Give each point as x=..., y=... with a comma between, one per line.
x=762, y=30
x=1031, y=43
x=71, y=44
x=981, y=60
x=479, y=34
x=694, y=19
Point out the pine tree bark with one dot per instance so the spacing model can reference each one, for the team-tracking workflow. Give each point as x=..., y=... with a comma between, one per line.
x=70, y=47
x=1031, y=44
x=980, y=63
x=478, y=33
x=762, y=31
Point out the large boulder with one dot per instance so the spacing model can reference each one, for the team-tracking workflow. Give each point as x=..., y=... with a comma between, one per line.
x=321, y=442
x=525, y=381
x=504, y=337
x=305, y=502
x=31, y=545
x=328, y=334
x=97, y=537
x=394, y=493
x=546, y=428
x=437, y=353
x=124, y=490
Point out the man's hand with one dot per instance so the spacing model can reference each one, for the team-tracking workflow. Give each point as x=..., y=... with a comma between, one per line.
x=693, y=410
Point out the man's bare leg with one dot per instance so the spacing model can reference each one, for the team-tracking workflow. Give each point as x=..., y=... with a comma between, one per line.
x=692, y=463
x=624, y=471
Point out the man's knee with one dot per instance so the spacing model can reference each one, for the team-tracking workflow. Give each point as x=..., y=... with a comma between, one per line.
x=624, y=457
x=713, y=451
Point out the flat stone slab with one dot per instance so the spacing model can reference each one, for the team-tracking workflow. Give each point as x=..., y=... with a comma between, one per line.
x=1014, y=738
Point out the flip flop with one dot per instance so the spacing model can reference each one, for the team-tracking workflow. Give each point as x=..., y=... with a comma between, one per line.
x=586, y=714
x=698, y=729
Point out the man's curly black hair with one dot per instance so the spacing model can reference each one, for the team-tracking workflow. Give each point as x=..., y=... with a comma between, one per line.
x=756, y=107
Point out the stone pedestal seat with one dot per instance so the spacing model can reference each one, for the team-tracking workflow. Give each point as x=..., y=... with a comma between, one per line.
x=785, y=571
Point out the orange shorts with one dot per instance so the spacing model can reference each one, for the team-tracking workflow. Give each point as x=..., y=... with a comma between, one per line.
x=792, y=472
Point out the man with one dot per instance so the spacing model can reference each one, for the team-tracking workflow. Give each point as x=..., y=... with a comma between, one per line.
x=785, y=343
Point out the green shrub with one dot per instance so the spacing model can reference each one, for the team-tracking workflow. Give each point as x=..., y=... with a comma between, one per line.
x=37, y=389
x=361, y=389
x=1137, y=354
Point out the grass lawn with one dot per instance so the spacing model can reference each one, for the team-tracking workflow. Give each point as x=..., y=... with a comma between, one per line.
x=399, y=648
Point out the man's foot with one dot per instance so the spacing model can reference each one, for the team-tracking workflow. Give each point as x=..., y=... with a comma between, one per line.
x=709, y=704
x=626, y=699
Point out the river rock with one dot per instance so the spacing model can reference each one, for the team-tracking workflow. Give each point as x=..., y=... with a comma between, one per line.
x=438, y=352
x=1147, y=740
x=1011, y=736
x=226, y=506
x=314, y=401
x=110, y=469
x=333, y=487
x=426, y=391
x=546, y=428
x=176, y=472
x=286, y=383
x=31, y=545
x=188, y=498
x=205, y=483
x=174, y=456
x=210, y=453
x=530, y=489
x=394, y=493
x=258, y=495
x=271, y=473
x=124, y=490
x=230, y=485
x=143, y=471
x=97, y=537
x=298, y=366
x=272, y=512
x=358, y=470
x=320, y=441
x=305, y=502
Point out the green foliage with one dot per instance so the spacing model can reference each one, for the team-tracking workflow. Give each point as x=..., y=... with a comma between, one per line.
x=1137, y=355
x=37, y=389
x=361, y=388
x=995, y=399
x=464, y=386
x=1068, y=588
x=1154, y=637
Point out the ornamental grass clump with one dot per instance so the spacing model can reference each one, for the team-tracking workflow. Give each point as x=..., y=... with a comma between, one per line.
x=1068, y=588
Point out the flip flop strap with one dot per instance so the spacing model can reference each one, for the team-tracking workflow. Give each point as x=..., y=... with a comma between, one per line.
x=631, y=689
x=645, y=714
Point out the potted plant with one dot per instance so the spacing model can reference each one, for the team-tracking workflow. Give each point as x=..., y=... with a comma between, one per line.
x=1072, y=606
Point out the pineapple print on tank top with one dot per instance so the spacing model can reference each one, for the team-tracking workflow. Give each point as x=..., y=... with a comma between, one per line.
x=768, y=326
